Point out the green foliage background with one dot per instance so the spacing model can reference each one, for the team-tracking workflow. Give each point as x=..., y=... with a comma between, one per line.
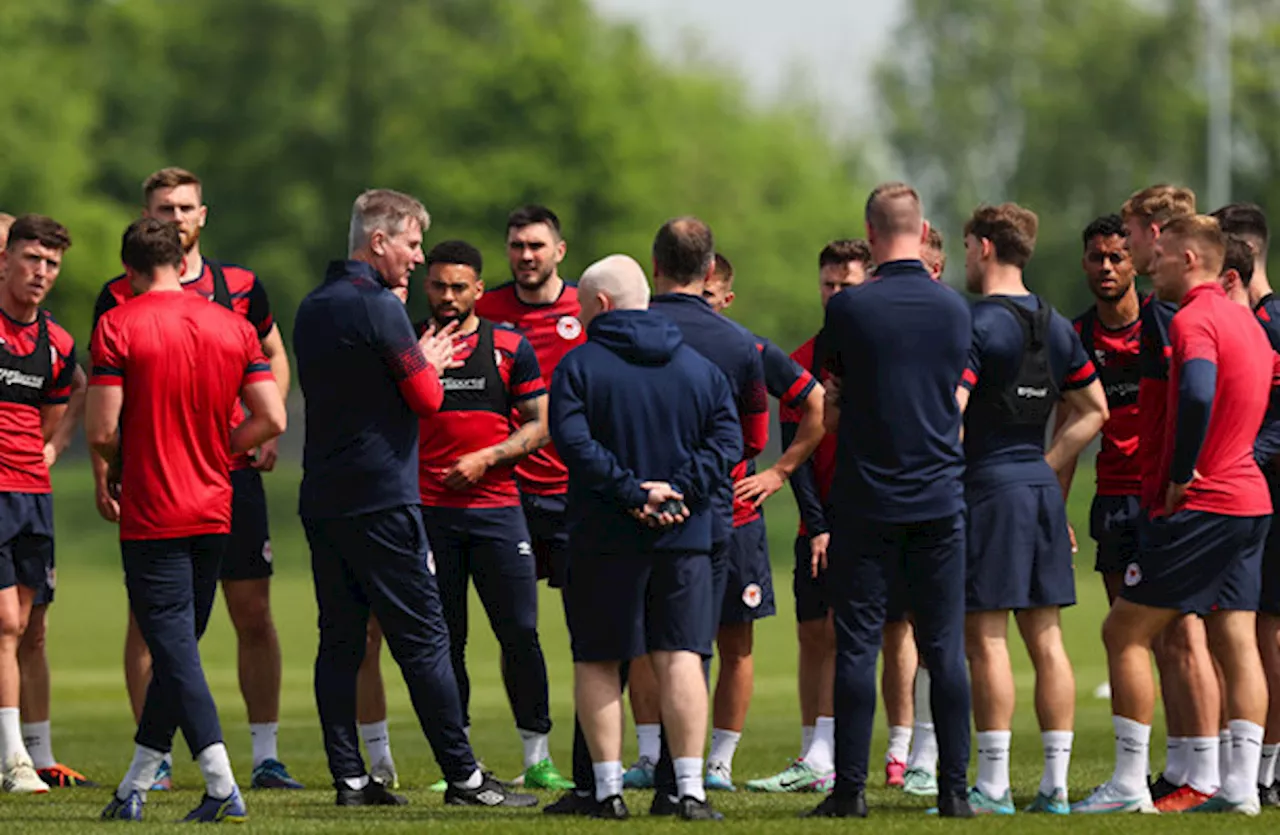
x=288, y=108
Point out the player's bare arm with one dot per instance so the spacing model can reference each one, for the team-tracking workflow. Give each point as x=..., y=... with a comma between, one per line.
x=58, y=438
x=831, y=405
x=102, y=424
x=531, y=436
x=266, y=416
x=1083, y=422
x=278, y=359
x=809, y=434
x=1068, y=472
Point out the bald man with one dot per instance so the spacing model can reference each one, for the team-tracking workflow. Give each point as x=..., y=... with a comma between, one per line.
x=648, y=431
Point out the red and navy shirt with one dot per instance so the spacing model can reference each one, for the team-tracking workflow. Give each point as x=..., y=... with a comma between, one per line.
x=1267, y=446
x=789, y=384
x=182, y=363
x=553, y=330
x=29, y=379
x=811, y=482
x=999, y=454
x=1115, y=355
x=1211, y=327
x=245, y=294
x=475, y=415
x=1153, y=364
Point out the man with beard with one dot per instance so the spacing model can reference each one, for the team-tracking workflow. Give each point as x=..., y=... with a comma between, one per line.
x=175, y=196
x=470, y=504
x=1110, y=332
x=541, y=307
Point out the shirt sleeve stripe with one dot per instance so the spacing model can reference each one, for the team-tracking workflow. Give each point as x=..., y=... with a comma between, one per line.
x=799, y=390
x=255, y=367
x=968, y=379
x=258, y=376
x=107, y=371
x=106, y=380
x=1083, y=373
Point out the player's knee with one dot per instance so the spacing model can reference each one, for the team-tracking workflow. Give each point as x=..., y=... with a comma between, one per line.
x=253, y=623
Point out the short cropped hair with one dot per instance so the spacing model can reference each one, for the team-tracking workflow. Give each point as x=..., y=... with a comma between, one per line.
x=845, y=251
x=149, y=243
x=894, y=209
x=456, y=252
x=382, y=209
x=1201, y=233
x=724, y=270
x=171, y=177
x=1247, y=221
x=1010, y=228
x=1238, y=256
x=6, y=220
x=533, y=214
x=46, y=230
x=683, y=250
x=1105, y=226
x=933, y=241
x=1159, y=204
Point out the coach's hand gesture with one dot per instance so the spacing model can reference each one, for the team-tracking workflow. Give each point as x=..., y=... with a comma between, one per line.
x=438, y=347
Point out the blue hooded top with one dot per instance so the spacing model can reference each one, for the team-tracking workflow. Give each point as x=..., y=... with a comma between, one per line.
x=635, y=404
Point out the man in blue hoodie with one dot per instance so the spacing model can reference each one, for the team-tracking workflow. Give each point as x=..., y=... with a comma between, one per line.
x=648, y=430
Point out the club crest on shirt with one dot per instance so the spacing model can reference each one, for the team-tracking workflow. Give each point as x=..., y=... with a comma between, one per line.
x=1132, y=575
x=524, y=549
x=751, y=595
x=569, y=328
x=267, y=555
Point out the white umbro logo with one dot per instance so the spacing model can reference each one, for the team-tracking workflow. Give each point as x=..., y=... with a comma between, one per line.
x=489, y=797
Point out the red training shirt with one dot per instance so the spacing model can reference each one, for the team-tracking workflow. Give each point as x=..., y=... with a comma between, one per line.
x=553, y=330
x=244, y=291
x=824, y=458
x=1211, y=327
x=1153, y=362
x=182, y=362
x=28, y=381
x=471, y=419
x=1115, y=354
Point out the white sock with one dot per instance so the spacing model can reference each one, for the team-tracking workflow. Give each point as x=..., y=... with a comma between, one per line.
x=142, y=772
x=264, y=741
x=689, y=778
x=923, y=706
x=39, y=743
x=649, y=741
x=1224, y=755
x=356, y=783
x=821, y=755
x=377, y=740
x=1177, y=759
x=993, y=762
x=899, y=744
x=536, y=748
x=10, y=733
x=608, y=779
x=1133, y=740
x=806, y=739
x=215, y=765
x=1057, y=760
x=1202, y=756
x=924, y=748
x=1246, y=751
x=1267, y=765
x=472, y=782
x=723, y=745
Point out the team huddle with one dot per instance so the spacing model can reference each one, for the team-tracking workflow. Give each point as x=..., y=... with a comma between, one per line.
x=601, y=435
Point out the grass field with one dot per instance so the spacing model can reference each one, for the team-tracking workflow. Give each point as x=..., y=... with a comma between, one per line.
x=93, y=731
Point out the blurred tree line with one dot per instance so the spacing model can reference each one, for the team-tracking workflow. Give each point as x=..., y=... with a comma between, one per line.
x=289, y=108
x=1067, y=107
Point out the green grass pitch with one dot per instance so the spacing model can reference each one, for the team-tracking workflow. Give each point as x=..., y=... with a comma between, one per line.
x=93, y=731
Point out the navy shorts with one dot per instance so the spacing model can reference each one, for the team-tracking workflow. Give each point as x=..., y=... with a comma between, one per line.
x=748, y=594
x=810, y=591
x=26, y=544
x=624, y=605
x=1113, y=524
x=549, y=535
x=1269, y=601
x=1197, y=563
x=248, y=555
x=1017, y=550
